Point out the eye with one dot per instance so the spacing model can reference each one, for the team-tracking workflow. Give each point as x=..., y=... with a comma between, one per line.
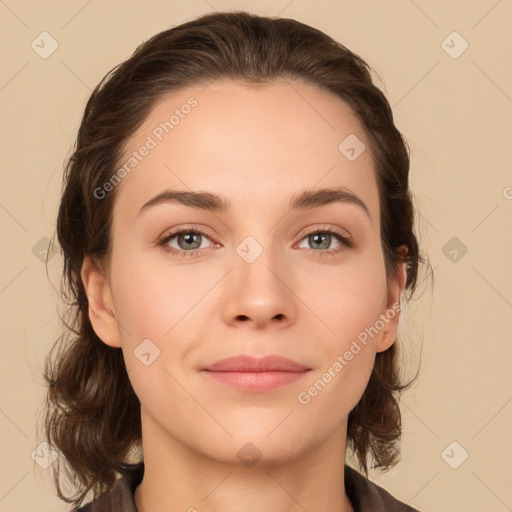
x=189, y=242
x=323, y=238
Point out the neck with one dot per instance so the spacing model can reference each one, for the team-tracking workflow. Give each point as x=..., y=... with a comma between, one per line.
x=178, y=478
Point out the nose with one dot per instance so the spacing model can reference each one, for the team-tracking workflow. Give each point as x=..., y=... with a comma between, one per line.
x=259, y=293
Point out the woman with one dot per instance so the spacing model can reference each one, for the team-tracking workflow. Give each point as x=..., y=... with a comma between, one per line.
x=237, y=230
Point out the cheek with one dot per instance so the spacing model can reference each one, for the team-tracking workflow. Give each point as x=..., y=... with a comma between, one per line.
x=152, y=306
x=349, y=304
x=151, y=298
x=348, y=349
x=348, y=299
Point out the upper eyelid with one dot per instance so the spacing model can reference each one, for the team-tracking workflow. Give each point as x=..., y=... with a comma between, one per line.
x=326, y=227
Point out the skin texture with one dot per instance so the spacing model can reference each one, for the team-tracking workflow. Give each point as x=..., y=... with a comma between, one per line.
x=258, y=146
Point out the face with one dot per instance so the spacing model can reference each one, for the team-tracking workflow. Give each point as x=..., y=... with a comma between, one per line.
x=273, y=272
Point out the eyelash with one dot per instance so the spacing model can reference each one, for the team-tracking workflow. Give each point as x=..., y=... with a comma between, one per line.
x=345, y=241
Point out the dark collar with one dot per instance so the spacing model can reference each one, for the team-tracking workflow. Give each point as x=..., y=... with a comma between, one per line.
x=364, y=495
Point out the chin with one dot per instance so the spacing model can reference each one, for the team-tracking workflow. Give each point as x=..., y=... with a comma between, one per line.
x=246, y=451
x=259, y=444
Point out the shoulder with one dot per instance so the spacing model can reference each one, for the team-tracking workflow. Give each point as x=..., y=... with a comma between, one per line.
x=367, y=496
x=120, y=497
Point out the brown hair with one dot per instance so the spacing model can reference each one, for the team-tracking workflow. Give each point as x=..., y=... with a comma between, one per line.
x=92, y=413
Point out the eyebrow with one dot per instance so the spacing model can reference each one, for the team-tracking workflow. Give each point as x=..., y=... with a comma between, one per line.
x=306, y=200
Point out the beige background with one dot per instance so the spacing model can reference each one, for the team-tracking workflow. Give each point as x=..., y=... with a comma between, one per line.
x=457, y=116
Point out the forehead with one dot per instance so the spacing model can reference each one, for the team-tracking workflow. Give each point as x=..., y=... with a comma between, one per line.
x=250, y=143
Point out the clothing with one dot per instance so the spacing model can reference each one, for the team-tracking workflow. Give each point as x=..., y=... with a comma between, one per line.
x=364, y=495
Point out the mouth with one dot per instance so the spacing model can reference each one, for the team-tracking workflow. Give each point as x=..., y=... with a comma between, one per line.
x=252, y=374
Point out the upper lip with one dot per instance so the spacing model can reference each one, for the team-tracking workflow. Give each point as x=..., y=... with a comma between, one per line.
x=244, y=363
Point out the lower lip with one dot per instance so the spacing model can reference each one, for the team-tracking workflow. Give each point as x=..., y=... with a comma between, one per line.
x=256, y=381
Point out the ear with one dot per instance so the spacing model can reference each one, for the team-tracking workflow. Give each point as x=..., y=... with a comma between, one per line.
x=391, y=311
x=101, y=306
